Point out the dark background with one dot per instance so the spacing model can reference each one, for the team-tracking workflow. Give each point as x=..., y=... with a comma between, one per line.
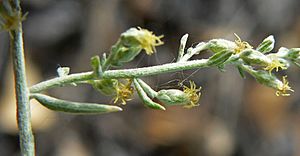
x=236, y=117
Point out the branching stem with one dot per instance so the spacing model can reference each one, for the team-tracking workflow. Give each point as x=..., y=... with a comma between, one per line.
x=123, y=73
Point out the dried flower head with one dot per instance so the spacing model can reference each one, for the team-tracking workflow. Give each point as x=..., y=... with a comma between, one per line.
x=148, y=40
x=193, y=93
x=9, y=18
x=124, y=92
x=283, y=87
x=241, y=45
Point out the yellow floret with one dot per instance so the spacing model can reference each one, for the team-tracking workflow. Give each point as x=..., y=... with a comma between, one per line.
x=193, y=93
x=241, y=45
x=124, y=92
x=283, y=88
x=149, y=41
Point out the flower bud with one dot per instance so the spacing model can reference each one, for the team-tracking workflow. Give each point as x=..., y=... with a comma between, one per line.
x=142, y=37
x=254, y=57
x=130, y=45
x=219, y=45
x=172, y=97
x=189, y=97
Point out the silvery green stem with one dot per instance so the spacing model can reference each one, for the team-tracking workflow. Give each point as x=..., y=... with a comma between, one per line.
x=123, y=73
x=22, y=94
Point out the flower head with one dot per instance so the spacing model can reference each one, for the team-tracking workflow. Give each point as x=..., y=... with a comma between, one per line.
x=193, y=93
x=241, y=45
x=283, y=87
x=148, y=40
x=275, y=64
x=124, y=92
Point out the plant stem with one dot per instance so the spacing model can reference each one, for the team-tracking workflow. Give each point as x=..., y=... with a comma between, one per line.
x=22, y=94
x=123, y=73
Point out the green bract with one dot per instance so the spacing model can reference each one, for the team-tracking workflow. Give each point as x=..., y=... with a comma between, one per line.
x=267, y=44
x=267, y=79
x=122, y=53
x=219, y=58
x=219, y=45
x=254, y=57
x=105, y=86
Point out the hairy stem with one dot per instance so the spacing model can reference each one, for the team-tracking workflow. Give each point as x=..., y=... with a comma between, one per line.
x=123, y=73
x=22, y=94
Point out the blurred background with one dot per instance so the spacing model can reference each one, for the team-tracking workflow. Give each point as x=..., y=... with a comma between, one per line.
x=236, y=117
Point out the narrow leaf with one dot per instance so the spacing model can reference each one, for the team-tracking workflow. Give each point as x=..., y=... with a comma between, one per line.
x=182, y=46
x=96, y=65
x=147, y=101
x=267, y=44
x=241, y=71
x=219, y=58
x=147, y=88
x=73, y=107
